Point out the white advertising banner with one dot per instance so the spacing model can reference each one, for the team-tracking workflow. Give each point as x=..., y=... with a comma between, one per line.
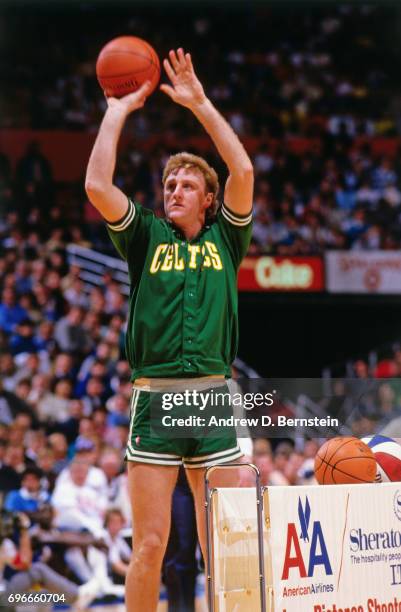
x=335, y=548
x=374, y=272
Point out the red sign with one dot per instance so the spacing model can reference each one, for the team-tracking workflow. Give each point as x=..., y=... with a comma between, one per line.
x=281, y=274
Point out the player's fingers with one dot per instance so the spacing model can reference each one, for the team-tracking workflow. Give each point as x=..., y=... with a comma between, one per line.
x=168, y=90
x=181, y=58
x=173, y=59
x=140, y=94
x=170, y=72
x=144, y=88
x=188, y=60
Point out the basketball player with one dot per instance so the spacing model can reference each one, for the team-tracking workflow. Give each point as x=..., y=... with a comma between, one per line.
x=183, y=306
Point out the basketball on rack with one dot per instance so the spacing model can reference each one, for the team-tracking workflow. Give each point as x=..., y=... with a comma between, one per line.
x=345, y=461
x=387, y=453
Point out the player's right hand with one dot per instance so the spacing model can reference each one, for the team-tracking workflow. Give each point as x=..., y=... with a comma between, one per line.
x=132, y=101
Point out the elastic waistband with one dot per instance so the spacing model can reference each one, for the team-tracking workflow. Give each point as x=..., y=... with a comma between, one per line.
x=178, y=384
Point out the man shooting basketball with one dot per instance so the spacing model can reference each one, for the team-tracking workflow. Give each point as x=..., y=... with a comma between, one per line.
x=183, y=306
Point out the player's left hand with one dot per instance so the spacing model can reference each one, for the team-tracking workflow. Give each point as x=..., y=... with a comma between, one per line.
x=186, y=88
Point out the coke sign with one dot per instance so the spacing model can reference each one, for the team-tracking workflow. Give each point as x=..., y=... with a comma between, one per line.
x=281, y=274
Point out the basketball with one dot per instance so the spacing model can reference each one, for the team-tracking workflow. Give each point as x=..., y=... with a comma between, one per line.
x=124, y=64
x=345, y=461
x=387, y=453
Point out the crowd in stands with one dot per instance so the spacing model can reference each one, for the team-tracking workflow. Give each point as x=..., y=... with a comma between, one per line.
x=289, y=76
x=337, y=196
x=277, y=69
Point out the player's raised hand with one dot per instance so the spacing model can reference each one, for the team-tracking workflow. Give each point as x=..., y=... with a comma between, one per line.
x=127, y=104
x=185, y=88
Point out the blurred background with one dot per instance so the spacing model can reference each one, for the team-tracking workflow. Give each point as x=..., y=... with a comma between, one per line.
x=313, y=90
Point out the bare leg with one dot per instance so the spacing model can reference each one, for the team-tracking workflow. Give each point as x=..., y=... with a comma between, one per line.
x=150, y=488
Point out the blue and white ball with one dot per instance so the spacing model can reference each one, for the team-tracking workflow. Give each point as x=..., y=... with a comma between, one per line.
x=387, y=453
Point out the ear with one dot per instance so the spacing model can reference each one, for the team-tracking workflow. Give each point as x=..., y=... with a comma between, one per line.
x=208, y=199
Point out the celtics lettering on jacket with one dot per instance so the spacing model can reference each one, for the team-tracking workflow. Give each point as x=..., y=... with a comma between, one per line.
x=169, y=257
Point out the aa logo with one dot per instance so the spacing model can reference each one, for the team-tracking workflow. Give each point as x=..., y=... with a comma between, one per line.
x=313, y=551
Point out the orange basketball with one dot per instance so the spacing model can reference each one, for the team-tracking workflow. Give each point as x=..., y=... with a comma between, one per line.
x=124, y=64
x=345, y=461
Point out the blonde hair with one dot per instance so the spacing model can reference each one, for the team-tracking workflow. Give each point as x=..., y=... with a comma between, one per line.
x=187, y=161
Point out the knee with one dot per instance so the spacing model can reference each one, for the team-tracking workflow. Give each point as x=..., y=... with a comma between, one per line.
x=150, y=549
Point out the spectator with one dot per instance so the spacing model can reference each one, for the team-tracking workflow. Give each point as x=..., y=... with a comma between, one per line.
x=119, y=552
x=9, y=477
x=63, y=366
x=79, y=505
x=31, y=496
x=44, y=337
x=34, y=440
x=40, y=389
x=15, y=458
x=46, y=463
x=306, y=472
x=85, y=452
x=70, y=334
x=75, y=294
x=70, y=427
x=111, y=465
x=50, y=308
x=11, y=313
x=361, y=369
x=59, y=446
x=103, y=355
x=387, y=407
x=23, y=340
x=31, y=365
x=10, y=405
x=27, y=575
x=54, y=406
x=95, y=395
x=8, y=371
x=23, y=281
x=281, y=456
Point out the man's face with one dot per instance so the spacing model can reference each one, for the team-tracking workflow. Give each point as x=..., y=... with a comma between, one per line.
x=110, y=464
x=115, y=524
x=59, y=444
x=185, y=197
x=63, y=363
x=31, y=483
x=79, y=472
x=46, y=460
x=8, y=297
